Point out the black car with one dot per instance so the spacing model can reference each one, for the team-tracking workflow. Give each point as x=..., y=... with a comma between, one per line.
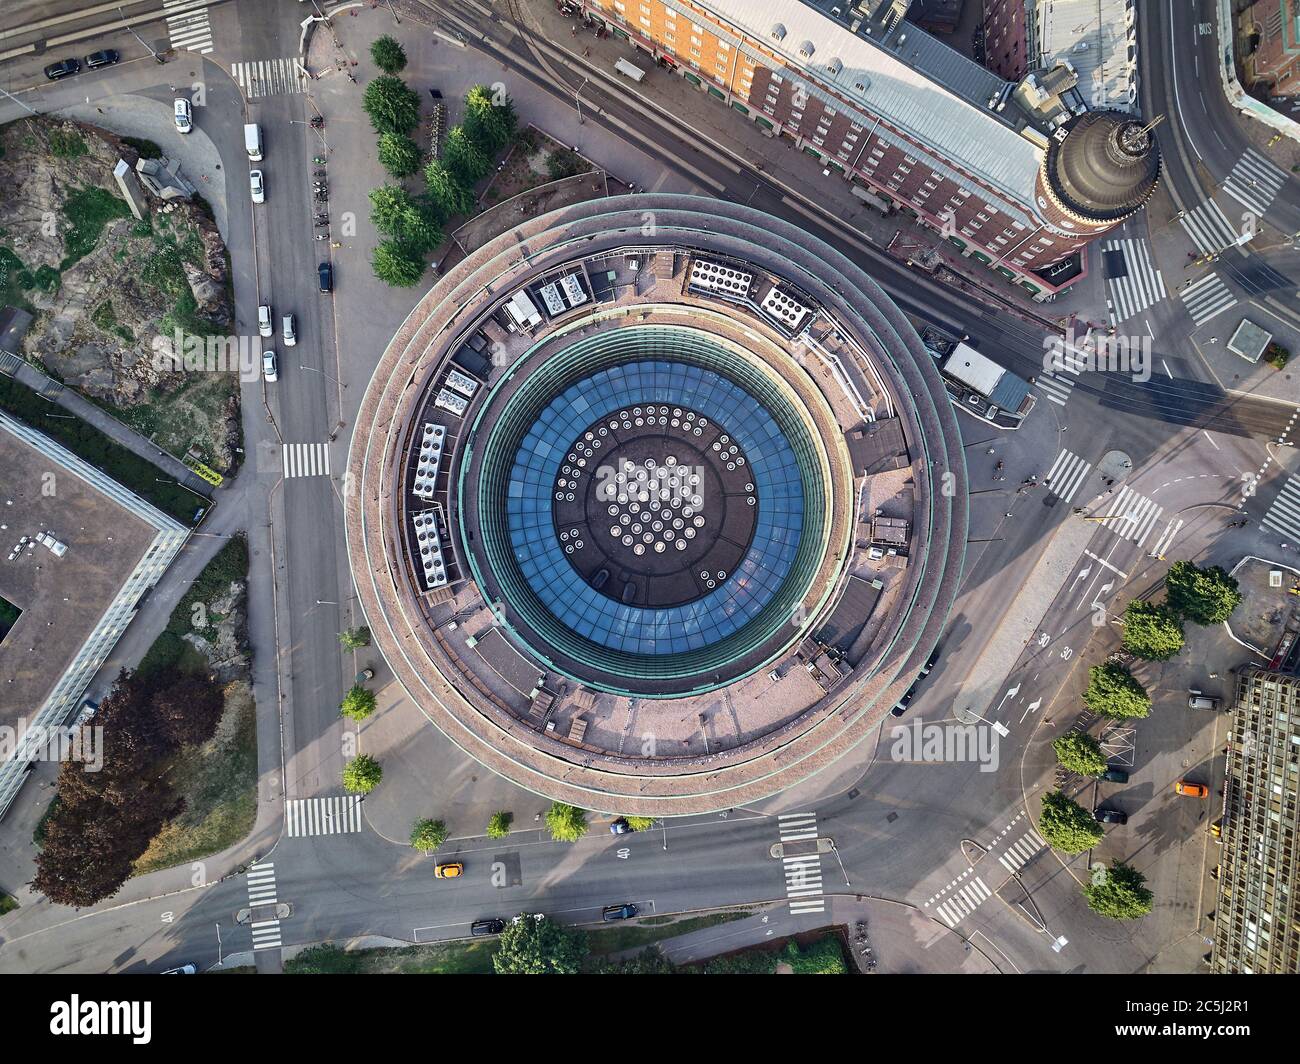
x=107, y=57
x=487, y=927
x=65, y=68
x=904, y=702
x=620, y=826
x=929, y=662
x=618, y=912
x=326, y=273
x=1113, y=775
x=1110, y=816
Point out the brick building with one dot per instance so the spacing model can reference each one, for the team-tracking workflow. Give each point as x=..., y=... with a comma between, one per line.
x=1017, y=176
x=1272, y=32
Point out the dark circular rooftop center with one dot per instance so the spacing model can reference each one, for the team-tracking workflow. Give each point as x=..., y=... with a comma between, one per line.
x=655, y=506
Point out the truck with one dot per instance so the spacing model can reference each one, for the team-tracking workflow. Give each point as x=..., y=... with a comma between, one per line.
x=977, y=384
x=253, y=142
x=629, y=70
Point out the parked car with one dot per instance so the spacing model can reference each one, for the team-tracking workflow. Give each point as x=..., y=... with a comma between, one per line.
x=107, y=57
x=1110, y=816
x=1216, y=829
x=268, y=367
x=256, y=185
x=64, y=68
x=1113, y=775
x=1191, y=790
x=290, y=331
x=618, y=912
x=487, y=927
x=450, y=870
x=88, y=710
x=264, y=320
x=326, y=274
x=1196, y=700
x=620, y=826
x=183, y=114
x=903, y=702
x=929, y=662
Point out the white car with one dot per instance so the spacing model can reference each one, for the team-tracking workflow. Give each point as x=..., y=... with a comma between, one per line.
x=264, y=320
x=290, y=331
x=268, y=367
x=255, y=183
x=184, y=116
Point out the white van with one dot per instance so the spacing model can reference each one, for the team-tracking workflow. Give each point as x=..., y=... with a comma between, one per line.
x=253, y=142
x=629, y=70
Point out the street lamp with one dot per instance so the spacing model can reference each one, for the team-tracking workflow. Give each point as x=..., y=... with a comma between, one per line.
x=313, y=369
x=577, y=102
x=131, y=29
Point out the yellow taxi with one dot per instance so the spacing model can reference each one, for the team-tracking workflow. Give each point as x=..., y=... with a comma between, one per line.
x=1192, y=790
x=450, y=870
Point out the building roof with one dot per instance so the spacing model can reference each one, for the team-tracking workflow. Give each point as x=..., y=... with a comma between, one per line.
x=1099, y=39
x=917, y=84
x=1103, y=165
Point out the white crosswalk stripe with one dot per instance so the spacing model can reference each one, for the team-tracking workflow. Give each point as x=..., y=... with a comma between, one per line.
x=261, y=891
x=306, y=460
x=1019, y=853
x=188, y=31
x=1283, y=516
x=1209, y=228
x=1141, y=286
x=1254, y=181
x=1058, y=383
x=336, y=815
x=1206, y=298
x=1131, y=515
x=269, y=77
x=1166, y=540
x=963, y=902
x=803, y=874
x=1065, y=476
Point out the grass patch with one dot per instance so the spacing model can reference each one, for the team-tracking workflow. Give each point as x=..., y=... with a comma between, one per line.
x=88, y=210
x=639, y=935
x=7, y=903
x=43, y=825
x=146, y=149
x=67, y=144
x=15, y=279
x=218, y=782
x=106, y=318
x=443, y=958
x=9, y=614
x=823, y=955
x=87, y=442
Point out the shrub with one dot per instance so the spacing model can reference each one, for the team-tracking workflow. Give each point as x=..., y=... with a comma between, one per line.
x=362, y=774
x=428, y=835
x=499, y=825
x=389, y=56
x=358, y=703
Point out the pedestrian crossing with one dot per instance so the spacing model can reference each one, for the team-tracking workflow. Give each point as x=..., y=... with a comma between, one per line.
x=1283, y=516
x=1254, y=181
x=1021, y=852
x=963, y=901
x=1209, y=228
x=803, y=874
x=188, y=31
x=1138, y=286
x=306, y=460
x=1131, y=516
x=336, y=815
x=261, y=892
x=1160, y=547
x=1057, y=384
x=269, y=77
x=1207, y=298
x=1065, y=476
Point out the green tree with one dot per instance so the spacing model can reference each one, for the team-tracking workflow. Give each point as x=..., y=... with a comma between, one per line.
x=397, y=263
x=1080, y=752
x=447, y=192
x=399, y=154
x=355, y=638
x=1121, y=895
x=1067, y=825
x=464, y=157
x=490, y=118
x=1114, y=692
x=389, y=56
x=396, y=213
x=568, y=823
x=539, y=947
x=428, y=834
x=362, y=774
x=393, y=106
x=640, y=823
x=499, y=826
x=1151, y=631
x=1203, y=596
x=358, y=703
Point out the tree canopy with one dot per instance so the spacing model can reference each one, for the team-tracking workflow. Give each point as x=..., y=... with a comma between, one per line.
x=1114, y=692
x=362, y=774
x=499, y=824
x=399, y=154
x=1066, y=825
x=1122, y=895
x=1152, y=631
x=388, y=55
x=446, y=191
x=490, y=118
x=397, y=263
x=393, y=106
x=465, y=157
x=568, y=823
x=1080, y=752
x=1203, y=596
x=358, y=703
x=539, y=947
x=428, y=834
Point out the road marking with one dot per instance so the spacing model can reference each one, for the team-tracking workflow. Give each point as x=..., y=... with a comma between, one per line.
x=335, y=815
x=1209, y=228
x=1283, y=516
x=964, y=902
x=1211, y=439
x=1102, y=561
x=268, y=77
x=1140, y=287
x=1254, y=181
x=1066, y=475
x=190, y=31
x=1131, y=515
x=803, y=874
x=1206, y=298
x=1161, y=546
x=306, y=460
x=261, y=891
x=1022, y=851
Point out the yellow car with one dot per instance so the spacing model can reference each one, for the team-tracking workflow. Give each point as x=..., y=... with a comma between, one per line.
x=1192, y=790
x=448, y=871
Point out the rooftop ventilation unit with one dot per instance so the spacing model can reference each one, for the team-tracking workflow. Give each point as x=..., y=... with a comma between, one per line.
x=426, y=468
x=450, y=401
x=777, y=32
x=714, y=277
x=462, y=382
x=782, y=308
x=806, y=50
x=428, y=549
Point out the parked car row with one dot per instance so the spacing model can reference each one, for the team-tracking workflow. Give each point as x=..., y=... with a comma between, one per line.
x=266, y=327
x=66, y=68
x=1105, y=815
x=910, y=693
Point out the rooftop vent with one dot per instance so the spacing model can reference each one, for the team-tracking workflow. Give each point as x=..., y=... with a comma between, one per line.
x=806, y=50
x=835, y=66
x=778, y=31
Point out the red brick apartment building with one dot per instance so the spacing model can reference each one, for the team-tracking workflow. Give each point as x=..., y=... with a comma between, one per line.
x=1019, y=176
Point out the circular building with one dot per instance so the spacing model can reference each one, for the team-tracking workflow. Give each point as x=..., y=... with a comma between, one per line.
x=659, y=504
x=1101, y=167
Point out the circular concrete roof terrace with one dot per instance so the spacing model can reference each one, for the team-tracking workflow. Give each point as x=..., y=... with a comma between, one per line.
x=615, y=489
